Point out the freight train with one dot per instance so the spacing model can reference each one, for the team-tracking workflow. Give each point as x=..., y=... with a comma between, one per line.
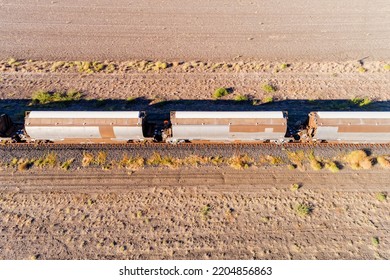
x=196, y=126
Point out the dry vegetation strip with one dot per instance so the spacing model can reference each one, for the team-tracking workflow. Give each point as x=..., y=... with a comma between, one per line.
x=299, y=159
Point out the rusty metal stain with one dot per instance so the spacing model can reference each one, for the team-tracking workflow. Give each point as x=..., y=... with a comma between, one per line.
x=80, y=122
x=256, y=128
x=230, y=121
x=106, y=131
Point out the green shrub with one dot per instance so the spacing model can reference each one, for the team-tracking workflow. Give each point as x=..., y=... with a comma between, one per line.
x=361, y=69
x=361, y=101
x=283, y=66
x=66, y=165
x=383, y=161
x=241, y=98
x=303, y=209
x=45, y=97
x=268, y=99
x=359, y=159
x=381, y=196
x=375, y=241
x=295, y=187
x=220, y=92
x=332, y=166
x=386, y=67
x=205, y=211
x=268, y=88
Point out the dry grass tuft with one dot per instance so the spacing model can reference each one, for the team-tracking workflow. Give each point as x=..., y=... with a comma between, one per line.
x=157, y=160
x=205, y=212
x=295, y=186
x=240, y=162
x=314, y=162
x=383, y=161
x=24, y=165
x=87, y=159
x=303, y=209
x=382, y=196
x=296, y=158
x=217, y=160
x=132, y=163
x=358, y=160
x=375, y=241
x=268, y=88
x=195, y=160
x=220, y=92
x=272, y=160
x=332, y=166
x=66, y=165
x=101, y=158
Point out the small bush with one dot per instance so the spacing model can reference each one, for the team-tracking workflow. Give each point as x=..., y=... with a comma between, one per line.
x=87, y=159
x=240, y=162
x=296, y=158
x=314, y=163
x=361, y=69
x=160, y=65
x=132, y=163
x=361, y=101
x=295, y=187
x=273, y=160
x=303, y=209
x=101, y=158
x=44, y=97
x=195, y=160
x=332, y=166
x=241, y=98
x=24, y=165
x=267, y=99
x=383, y=161
x=283, y=66
x=291, y=166
x=358, y=159
x=156, y=160
x=205, y=211
x=13, y=62
x=220, y=92
x=381, y=196
x=57, y=65
x=386, y=67
x=66, y=165
x=268, y=88
x=375, y=241
x=217, y=160
x=50, y=160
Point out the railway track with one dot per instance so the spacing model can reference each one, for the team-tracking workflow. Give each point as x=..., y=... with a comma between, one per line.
x=110, y=146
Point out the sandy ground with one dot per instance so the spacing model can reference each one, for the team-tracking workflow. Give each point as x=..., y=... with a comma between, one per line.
x=201, y=213
x=296, y=30
x=196, y=80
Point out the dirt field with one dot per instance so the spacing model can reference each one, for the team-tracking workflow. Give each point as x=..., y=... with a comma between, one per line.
x=330, y=30
x=196, y=214
x=315, y=56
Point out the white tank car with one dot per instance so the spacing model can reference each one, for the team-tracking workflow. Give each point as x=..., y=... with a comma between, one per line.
x=228, y=126
x=349, y=127
x=83, y=126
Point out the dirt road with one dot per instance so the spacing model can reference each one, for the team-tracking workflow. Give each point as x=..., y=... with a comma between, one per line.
x=294, y=30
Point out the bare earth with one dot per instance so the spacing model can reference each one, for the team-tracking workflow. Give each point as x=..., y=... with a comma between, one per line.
x=330, y=30
x=202, y=213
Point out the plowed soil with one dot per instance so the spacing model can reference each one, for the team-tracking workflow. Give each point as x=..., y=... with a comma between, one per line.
x=201, y=213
